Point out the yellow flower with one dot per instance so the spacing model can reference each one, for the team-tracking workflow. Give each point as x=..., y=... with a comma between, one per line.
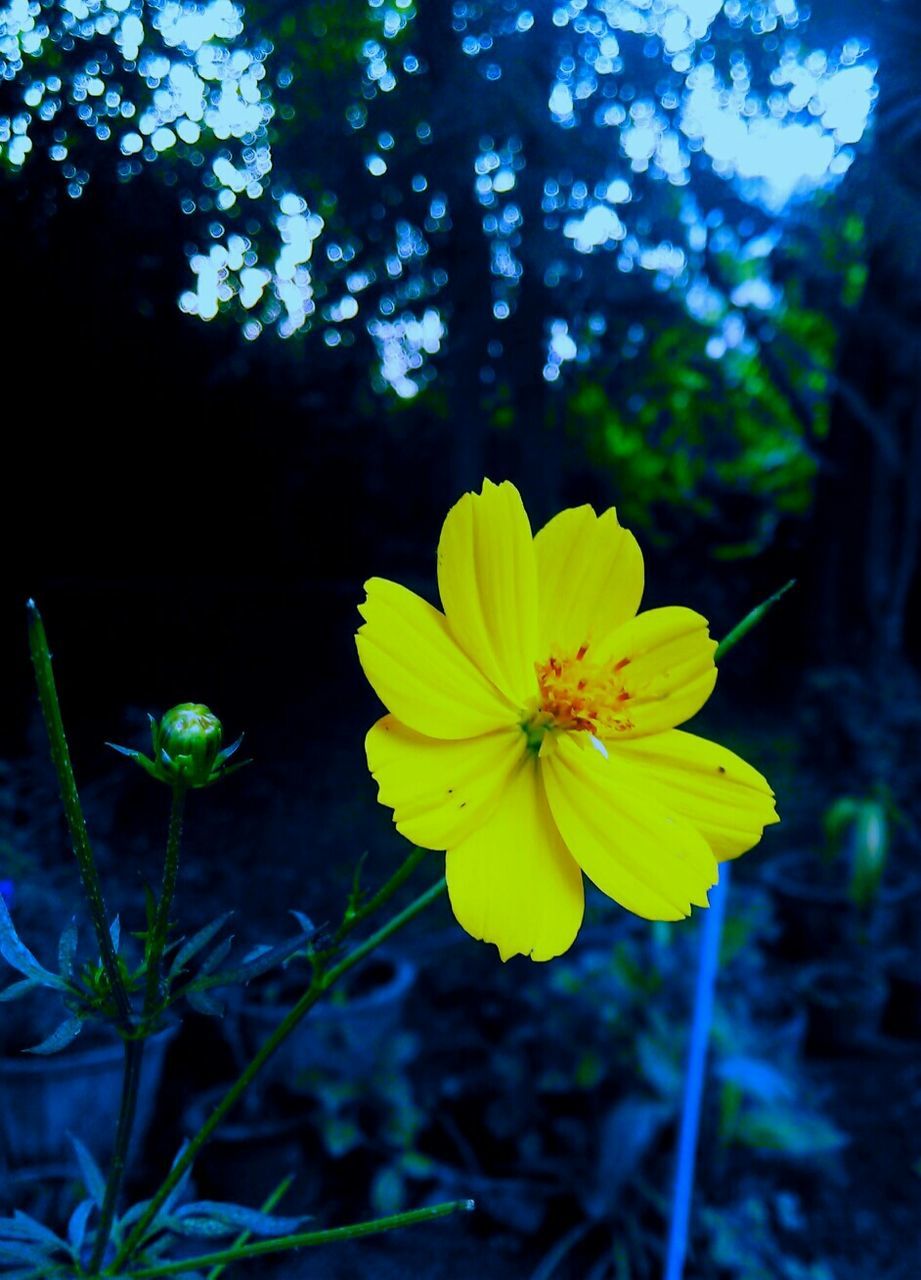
x=532, y=728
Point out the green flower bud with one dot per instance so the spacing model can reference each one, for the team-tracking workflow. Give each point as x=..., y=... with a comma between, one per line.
x=186, y=747
x=188, y=742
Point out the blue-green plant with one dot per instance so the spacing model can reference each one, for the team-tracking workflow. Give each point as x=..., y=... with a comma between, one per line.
x=151, y=1238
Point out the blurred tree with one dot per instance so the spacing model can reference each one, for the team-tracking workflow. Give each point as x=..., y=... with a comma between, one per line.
x=593, y=216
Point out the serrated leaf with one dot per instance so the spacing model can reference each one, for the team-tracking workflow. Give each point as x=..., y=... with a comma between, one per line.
x=60, y=1038
x=76, y=1227
x=201, y=1002
x=17, y=989
x=23, y=1227
x=93, y=1180
x=196, y=943
x=67, y=950
x=17, y=954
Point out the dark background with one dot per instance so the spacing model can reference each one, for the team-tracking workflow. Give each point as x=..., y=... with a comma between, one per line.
x=195, y=516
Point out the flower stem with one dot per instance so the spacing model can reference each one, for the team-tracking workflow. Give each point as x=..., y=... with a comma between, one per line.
x=262, y=1247
x=750, y=620
x=134, y=1053
x=160, y=929
x=322, y=981
x=76, y=823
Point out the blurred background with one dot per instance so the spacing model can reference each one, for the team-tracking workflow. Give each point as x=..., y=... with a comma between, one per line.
x=280, y=283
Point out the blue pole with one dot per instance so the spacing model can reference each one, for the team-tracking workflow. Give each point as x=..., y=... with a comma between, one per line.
x=694, y=1078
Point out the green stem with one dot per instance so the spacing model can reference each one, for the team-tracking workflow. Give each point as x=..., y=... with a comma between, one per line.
x=750, y=620
x=76, y=823
x=305, y=1239
x=134, y=1054
x=321, y=983
x=354, y=916
x=160, y=929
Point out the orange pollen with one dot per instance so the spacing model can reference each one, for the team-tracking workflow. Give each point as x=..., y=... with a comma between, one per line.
x=576, y=693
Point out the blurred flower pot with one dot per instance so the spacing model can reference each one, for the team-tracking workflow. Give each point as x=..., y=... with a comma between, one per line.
x=844, y=1006
x=251, y=1152
x=346, y=1032
x=42, y=1100
x=816, y=912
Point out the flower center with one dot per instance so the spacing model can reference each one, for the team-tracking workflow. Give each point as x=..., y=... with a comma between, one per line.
x=579, y=694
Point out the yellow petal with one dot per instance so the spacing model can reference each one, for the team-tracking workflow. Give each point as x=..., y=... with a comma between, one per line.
x=625, y=840
x=488, y=584
x=590, y=578
x=728, y=801
x=418, y=671
x=440, y=791
x=513, y=882
x=664, y=659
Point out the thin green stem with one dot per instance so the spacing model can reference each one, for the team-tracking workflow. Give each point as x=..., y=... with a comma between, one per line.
x=305, y=1239
x=356, y=915
x=134, y=1055
x=76, y=823
x=160, y=929
x=322, y=981
x=750, y=620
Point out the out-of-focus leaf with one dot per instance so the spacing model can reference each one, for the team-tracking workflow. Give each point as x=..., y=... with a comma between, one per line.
x=17, y=989
x=236, y=1217
x=14, y=1251
x=196, y=943
x=627, y=1134
x=67, y=950
x=756, y=1078
x=76, y=1227
x=659, y=1065
x=17, y=954
x=789, y=1129
x=23, y=1227
x=60, y=1038
x=204, y=1003
x=93, y=1180
x=218, y=955
x=267, y=959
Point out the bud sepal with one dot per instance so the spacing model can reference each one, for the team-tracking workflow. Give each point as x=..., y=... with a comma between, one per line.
x=186, y=748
